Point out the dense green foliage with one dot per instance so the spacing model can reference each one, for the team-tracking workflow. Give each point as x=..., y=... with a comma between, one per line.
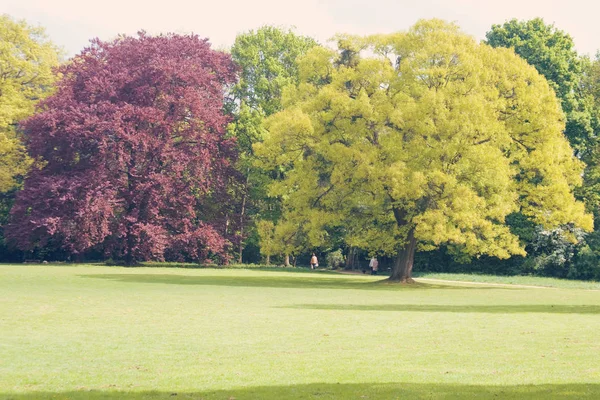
x=267, y=60
x=27, y=58
x=574, y=78
x=433, y=139
x=552, y=52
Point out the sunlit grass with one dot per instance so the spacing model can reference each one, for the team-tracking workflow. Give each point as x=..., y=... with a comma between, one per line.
x=513, y=280
x=95, y=332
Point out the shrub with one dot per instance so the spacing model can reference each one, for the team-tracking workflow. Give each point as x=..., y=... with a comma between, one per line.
x=335, y=259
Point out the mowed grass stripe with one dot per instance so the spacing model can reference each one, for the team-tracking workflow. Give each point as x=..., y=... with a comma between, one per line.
x=94, y=331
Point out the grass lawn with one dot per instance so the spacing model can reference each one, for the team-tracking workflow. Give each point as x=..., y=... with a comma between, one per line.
x=511, y=280
x=95, y=332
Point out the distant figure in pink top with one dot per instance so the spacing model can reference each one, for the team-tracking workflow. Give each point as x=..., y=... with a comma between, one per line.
x=374, y=264
x=313, y=261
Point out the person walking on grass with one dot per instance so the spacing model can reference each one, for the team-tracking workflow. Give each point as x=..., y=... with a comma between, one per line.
x=314, y=262
x=374, y=264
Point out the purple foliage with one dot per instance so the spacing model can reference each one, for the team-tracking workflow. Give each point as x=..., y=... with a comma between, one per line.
x=133, y=142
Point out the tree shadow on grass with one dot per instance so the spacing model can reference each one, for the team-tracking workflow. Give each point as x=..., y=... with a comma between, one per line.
x=490, y=309
x=342, y=391
x=293, y=282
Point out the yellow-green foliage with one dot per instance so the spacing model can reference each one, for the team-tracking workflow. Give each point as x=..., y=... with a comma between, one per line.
x=266, y=232
x=427, y=130
x=13, y=161
x=26, y=62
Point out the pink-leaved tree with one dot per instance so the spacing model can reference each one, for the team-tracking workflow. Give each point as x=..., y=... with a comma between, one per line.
x=135, y=157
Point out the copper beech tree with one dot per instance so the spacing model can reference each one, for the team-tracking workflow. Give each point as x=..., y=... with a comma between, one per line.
x=133, y=148
x=418, y=139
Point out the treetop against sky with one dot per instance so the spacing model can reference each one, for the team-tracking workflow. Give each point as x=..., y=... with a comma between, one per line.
x=72, y=23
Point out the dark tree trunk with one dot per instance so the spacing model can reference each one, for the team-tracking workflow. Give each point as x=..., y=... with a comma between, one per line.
x=128, y=259
x=350, y=259
x=402, y=270
x=128, y=256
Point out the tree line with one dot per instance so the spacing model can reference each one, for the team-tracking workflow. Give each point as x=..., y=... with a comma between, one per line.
x=424, y=147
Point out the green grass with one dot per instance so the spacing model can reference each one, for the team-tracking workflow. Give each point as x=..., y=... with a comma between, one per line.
x=474, y=277
x=513, y=280
x=95, y=332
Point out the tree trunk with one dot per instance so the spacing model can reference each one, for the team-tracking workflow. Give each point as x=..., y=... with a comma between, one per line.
x=268, y=260
x=402, y=270
x=350, y=259
x=286, y=262
x=241, y=249
x=129, y=260
x=242, y=215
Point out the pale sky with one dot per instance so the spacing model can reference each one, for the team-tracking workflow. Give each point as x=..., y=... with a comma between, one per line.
x=71, y=23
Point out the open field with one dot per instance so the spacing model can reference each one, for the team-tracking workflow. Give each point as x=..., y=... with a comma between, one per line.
x=94, y=332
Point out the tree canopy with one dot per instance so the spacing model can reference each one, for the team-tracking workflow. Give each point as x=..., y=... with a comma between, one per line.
x=421, y=138
x=134, y=148
x=267, y=59
x=27, y=59
x=552, y=52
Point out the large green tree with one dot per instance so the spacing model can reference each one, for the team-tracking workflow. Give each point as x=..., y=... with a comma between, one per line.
x=27, y=59
x=267, y=61
x=590, y=91
x=552, y=52
x=428, y=139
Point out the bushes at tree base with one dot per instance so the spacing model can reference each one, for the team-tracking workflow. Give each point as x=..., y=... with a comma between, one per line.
x=584, y=265
x=335, y=259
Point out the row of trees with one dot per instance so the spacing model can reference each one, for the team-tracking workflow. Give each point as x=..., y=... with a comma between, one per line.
x=425, y=141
